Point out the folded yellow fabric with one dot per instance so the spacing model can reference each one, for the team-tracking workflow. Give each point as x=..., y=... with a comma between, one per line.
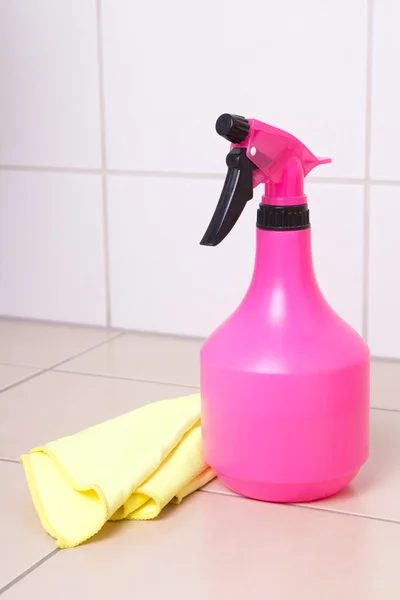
x=127, y=468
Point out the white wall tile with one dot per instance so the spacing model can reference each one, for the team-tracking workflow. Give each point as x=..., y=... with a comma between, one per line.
x=386, y=91
x=49, y=106
x=384, y=272
x=51, y=247
x=337, y=218
x=162, y=280
x=171, y=70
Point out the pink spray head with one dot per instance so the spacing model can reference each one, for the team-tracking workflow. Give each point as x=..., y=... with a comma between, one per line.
x=259, y=153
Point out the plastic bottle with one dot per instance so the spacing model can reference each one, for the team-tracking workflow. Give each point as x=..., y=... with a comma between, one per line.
x=284, y=380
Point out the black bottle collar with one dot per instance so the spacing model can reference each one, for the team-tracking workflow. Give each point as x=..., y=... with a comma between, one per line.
x=283, y=218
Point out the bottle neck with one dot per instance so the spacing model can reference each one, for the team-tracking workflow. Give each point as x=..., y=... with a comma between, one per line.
x=289, y=190
x=283, y=270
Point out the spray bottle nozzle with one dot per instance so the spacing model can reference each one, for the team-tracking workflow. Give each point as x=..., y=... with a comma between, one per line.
x=233, y=128
x=259, y=153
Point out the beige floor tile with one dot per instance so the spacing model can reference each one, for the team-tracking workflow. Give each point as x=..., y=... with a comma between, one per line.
x=56, y=404
x=385, y=384
x=216, y=547
x=144, y=356
x=375, y=492
x=22, y=539
x=33, y=344
x=10, y=374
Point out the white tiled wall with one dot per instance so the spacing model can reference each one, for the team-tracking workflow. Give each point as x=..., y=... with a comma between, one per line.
x=51, y=246
x=49, y=101
x=110, y=167
x=170, y=71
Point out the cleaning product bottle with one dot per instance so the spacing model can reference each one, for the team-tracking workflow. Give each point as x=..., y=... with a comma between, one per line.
x=284, y=380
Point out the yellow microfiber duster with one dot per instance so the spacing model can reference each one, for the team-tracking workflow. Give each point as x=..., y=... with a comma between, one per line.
x=127, y=468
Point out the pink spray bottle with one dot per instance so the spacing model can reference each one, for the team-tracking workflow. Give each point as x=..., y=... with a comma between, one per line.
x=284, y=380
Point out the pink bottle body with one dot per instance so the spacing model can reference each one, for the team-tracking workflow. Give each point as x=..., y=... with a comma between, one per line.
x=285, y=384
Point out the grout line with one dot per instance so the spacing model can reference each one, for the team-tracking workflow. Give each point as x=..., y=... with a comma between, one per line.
x=386, y=359
x=21, y=366
x=339, y=180
x=15, y=319
x=365, y=266
x=162, y=335
x=395, y=410
x=103, y=343
x=124, y=378
x=18, y=365
x=106, y=248
x=304, y=506
x=183, y=175
x=37, y=169
x=47, y=369
x=28, y=571
x=367, y=158
x=10, y=460
x=383, y=182
x=224, y=493
x=166, y=174
x=21, y=381
x=347, y=514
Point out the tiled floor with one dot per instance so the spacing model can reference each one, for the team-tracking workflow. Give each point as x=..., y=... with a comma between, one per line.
x=55, y=380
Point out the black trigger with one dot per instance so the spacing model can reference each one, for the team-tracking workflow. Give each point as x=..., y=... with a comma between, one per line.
x=237, y=191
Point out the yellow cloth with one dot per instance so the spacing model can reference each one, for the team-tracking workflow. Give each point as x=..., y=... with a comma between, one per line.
x=127, y=468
